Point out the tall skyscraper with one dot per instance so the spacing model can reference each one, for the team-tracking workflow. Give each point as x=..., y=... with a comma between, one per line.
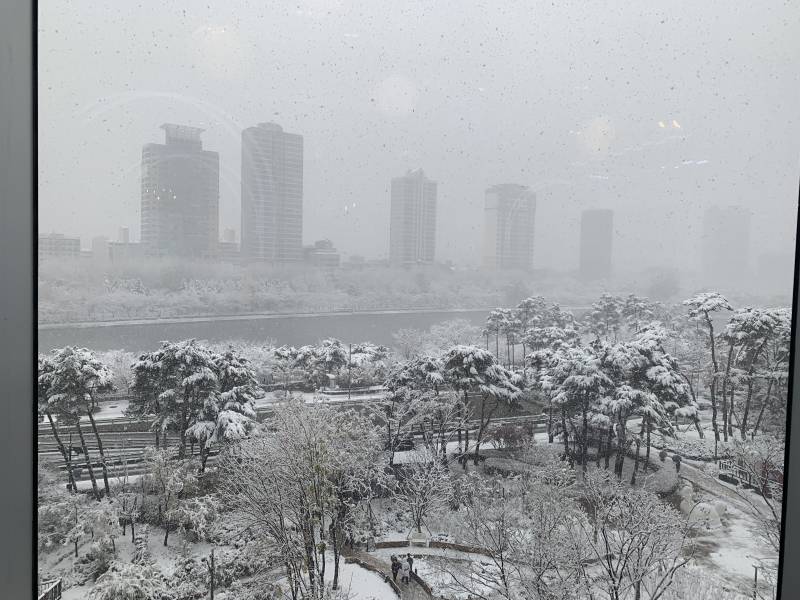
x=726, y=244
x=272, y=194
x=508, y=227
x=412, y=226
x=180, y=195
x=597, y=233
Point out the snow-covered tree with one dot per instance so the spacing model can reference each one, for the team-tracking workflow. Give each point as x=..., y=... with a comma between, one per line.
x=647, y=383
x=45, y=365
x=175, y=384
x=576, y=382
x=409, y=384
x=638, y=541
x=316, y=363
x=748, y=332
x=423, y=487
x=701, y=307
x=605, y=317
x=298, y=483
x=71, y=378
x=285, y=360
x=774, y=370
x=473, y=369
x=636, y=311
x=170, y=480
x=229, y=414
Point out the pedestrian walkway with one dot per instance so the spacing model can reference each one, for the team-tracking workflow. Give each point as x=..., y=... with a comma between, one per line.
x=410, y=591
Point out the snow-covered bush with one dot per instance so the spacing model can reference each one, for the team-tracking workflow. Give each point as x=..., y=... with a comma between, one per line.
x=96, y=561
x=129, y=582
x=141, y=552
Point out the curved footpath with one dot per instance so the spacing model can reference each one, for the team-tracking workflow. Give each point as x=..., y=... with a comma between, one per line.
x=410, y=591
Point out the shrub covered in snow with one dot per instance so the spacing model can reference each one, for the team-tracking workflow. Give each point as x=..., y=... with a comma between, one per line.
x=129, y=582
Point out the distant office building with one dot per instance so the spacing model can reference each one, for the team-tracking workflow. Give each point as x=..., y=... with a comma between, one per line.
x=412, y=227
x=597, y=233
x=125, y=251
x=322, y=254
x=57, y=245
x=509, y=217
x=726, y=244
x=100, y=250
x=229, y=252
x=124, y=235
x=180, y=195
x=354, y=261
x=272, y=194
x=229, y=236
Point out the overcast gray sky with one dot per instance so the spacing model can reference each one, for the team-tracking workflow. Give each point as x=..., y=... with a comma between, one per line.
x=565, y=97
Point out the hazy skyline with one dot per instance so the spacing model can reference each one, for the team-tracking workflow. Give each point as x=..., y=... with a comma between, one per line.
x=566, y=99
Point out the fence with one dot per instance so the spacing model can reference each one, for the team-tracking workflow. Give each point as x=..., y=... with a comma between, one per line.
x=50, y=590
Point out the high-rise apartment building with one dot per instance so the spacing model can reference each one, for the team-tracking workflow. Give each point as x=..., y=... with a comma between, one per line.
x=726, y=244
x=510, y=212
x=180, y=195
x=412, y=227
x=597, y=234
x=272, y=194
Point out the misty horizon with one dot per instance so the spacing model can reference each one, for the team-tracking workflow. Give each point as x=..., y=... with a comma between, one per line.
x=493, y=98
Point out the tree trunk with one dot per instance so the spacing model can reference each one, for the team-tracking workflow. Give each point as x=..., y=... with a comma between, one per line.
x=166, y=533
x=713, y=390
x=565, y=433
x=466, y=427
x=746, y=410
x=484, y=425
x=725, y=404
x=89, y=468
x=647, y=451
x=584, y=435
x=761, y=411
x=204, y=450
x=102, y=454
x=550, y=422
x=621, y=446
x=64, y=453
x=184, y=427
x=608, y=445
x=335, y=584
x=636, y=463
x=731, y=414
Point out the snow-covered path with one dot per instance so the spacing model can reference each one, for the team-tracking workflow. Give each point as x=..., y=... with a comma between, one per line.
x=410, y=591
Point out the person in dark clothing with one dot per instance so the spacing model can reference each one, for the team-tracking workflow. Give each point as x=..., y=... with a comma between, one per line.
x=677, y=460
x=395, y=568
x=410, y=560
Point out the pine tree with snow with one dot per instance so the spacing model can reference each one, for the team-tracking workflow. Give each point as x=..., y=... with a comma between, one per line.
x=473, y=369
x=701, y=307
x=175, y=384
x=229, y=414
x=605, y=317
x=71, y=379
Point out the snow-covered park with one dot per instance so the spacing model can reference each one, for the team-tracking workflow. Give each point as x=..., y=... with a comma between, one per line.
x=636, y=454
